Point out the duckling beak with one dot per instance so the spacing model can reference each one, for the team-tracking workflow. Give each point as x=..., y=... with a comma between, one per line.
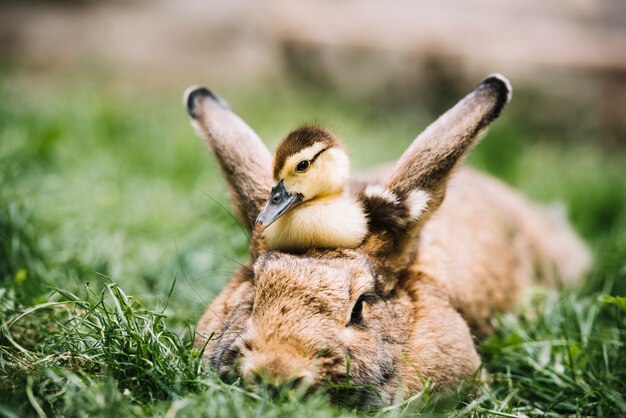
x=278, y=203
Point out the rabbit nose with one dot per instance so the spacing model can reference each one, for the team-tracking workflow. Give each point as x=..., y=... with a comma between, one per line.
x=278, y=388
x=262, y=378
x=279, y=377
x=278, y=371
x=279, y=363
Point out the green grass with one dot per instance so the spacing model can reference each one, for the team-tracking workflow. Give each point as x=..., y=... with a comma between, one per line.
x=106, y=194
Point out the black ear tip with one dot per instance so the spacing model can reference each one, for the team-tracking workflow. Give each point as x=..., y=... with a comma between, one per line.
x=500, y=84
x=194, y=95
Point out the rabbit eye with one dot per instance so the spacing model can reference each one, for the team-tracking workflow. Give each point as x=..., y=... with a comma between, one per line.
x=356, y=317
x=303, y=166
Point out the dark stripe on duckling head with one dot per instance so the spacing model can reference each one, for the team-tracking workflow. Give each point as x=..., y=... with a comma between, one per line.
x=299, y=139
x=312, y=160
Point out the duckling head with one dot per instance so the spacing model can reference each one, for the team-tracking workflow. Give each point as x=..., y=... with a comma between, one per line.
x=309, y=164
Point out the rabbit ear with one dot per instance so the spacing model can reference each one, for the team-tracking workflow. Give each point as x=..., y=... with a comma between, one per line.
x=417, y=184
x=244, y=159
x=428, y=162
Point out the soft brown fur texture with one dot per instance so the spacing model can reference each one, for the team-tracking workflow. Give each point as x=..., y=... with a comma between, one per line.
x=427, y=280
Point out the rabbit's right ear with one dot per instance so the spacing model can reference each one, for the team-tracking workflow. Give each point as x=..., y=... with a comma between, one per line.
x=417, y=184
x=245, y=161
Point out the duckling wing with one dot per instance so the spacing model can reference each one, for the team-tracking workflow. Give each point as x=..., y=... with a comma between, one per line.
x=385, y=210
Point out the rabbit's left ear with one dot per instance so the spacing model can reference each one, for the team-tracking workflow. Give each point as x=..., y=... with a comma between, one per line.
x=417, y=184
x=245, y=161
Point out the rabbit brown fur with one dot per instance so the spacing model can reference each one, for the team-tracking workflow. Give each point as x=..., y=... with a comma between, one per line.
x=429, y=276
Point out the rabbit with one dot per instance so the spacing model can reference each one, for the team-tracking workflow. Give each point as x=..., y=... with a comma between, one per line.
x=408, y=304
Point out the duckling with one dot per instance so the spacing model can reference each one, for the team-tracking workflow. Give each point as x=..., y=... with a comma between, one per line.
x=310, y=205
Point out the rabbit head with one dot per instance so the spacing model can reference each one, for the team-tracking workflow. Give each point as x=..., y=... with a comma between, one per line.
x=367, y=316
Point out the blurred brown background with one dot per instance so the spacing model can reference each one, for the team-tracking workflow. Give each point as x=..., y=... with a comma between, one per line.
x=564, y=50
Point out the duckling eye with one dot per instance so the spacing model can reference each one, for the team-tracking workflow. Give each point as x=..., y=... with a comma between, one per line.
x=303, y=166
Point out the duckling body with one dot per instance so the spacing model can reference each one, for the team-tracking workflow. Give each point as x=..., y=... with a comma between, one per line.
x=328, y=222
x=310, y=206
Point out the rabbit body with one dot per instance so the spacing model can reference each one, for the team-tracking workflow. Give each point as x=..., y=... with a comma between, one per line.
x=474, y=258
x=405, y=306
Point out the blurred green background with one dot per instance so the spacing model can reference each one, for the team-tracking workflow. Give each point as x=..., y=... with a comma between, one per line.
x=102, y=176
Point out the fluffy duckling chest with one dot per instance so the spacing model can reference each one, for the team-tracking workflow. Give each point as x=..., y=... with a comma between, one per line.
x=332, y=222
